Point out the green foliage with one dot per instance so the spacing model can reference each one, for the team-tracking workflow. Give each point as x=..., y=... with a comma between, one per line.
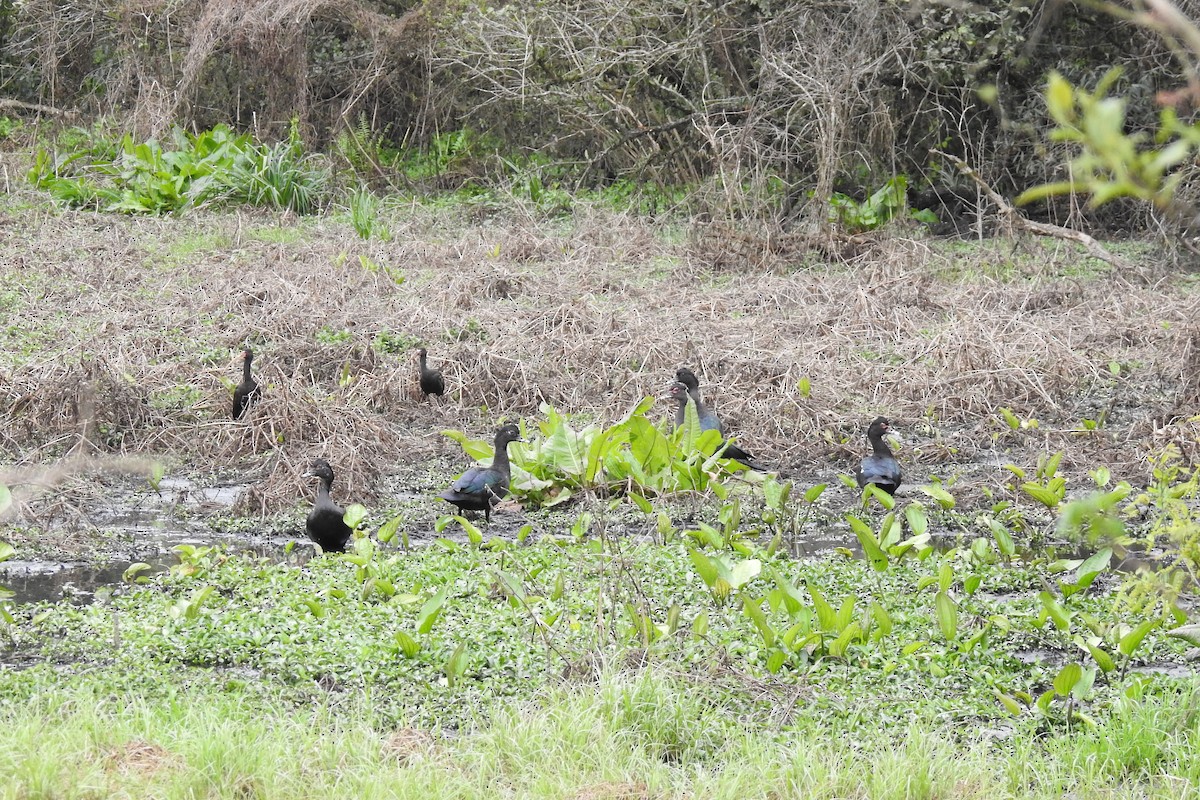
x=1110, y=162
x=1173, y=529
x=364, y=214
x=215, y=166
x=394, y=342
x=9, y=126
x=877, y=210
x=633, y=457
x=328, y=335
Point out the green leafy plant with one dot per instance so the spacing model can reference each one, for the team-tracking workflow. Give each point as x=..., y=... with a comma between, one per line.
x=785, y=520
x=364, y=213
x=877, y=210
x=154, y=177
x=633, y=457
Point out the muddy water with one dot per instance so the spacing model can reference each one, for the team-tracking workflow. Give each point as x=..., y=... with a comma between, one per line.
x=137, y=526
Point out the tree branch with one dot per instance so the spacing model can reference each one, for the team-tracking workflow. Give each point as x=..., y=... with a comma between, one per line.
x=1093, y=247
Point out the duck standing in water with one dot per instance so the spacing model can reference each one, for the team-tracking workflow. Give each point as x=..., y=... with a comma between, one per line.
x=247, y=392
x=431, y=380
x=881, y=467
x=324, y=524
x=480, y=488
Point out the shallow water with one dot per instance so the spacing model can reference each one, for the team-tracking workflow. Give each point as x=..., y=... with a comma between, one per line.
x=142, y=525
x=136, y=526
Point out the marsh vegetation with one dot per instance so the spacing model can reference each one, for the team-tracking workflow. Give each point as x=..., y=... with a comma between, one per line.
x=640, y=617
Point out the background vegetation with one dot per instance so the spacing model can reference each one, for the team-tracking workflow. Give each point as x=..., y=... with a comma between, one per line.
x=764, y=110
x=564, y=202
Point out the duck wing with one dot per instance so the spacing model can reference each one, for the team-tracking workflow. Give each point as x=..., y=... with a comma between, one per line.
x=881, y=470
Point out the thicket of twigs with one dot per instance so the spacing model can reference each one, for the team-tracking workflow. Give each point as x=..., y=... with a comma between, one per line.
x=765, y=108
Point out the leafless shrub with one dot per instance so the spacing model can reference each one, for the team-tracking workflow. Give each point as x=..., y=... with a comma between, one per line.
x=164, y=62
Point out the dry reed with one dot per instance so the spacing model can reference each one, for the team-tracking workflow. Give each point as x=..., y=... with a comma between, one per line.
x=118, y=316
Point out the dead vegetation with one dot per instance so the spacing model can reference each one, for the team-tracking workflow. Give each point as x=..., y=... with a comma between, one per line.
x=128, y=330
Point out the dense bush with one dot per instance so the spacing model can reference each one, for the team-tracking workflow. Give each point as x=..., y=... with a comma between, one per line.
x=763, y=106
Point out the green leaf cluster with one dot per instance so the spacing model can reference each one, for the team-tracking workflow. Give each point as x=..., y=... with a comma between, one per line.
x=186, y=170
x=633, y=457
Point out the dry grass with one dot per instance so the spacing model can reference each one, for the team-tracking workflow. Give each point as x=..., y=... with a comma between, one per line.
x=118, y=314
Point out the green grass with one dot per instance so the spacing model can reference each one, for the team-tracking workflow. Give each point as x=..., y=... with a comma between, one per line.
x=626, y=735
x=292, y=234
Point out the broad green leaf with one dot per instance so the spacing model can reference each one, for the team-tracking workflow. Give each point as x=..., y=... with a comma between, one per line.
x=753, y=610
x=477, y=449
x=945, y=575
x=456, y=665
x=1042, y=494
x=866, y=538
x=1130, y=641
x=814, y=492
x=837, y=648
x=743, y=572
x=132, y=573
x=1004, y=540
x=889, y=531
x=705, y=567
x=918, y=523
x=673, y=614
x=940, y=495
x=826, y=616
x=642, y=503
x=1102, y=658
x=430, y=611
x=1066, y=679
x=775, y=661
x=1012, y=706
x=947, y=615
x=407, y=645
x=513, y=586
x=1093, y=566
x=886, y=500
x=846, y=613
x=793, y=601
x=648, y=445
x=883, y=621
x=387, y=531
x=1059, y=615
x=565, y=449
x=354, y=515
x=689, y=432
x=1189, y=633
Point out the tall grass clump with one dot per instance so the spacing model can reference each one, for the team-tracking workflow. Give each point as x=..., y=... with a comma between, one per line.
x=364, y=213
x=279, y=176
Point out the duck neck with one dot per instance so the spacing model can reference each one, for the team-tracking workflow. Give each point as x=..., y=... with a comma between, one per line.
x=879, y=447
x=246, y=367
x=422, y=356
x=500, y=462
x=323, y=490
